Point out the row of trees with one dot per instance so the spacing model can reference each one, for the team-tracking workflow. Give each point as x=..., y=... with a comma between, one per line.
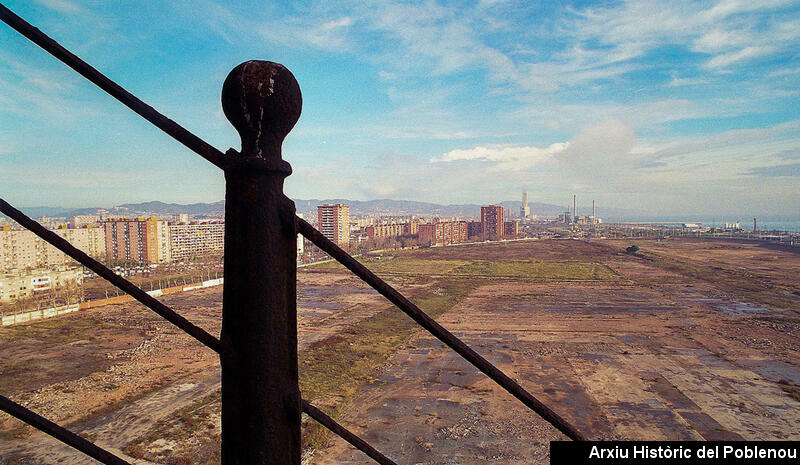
x=66, y=294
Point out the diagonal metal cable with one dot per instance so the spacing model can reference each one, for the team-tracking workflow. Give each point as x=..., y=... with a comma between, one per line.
x=217, y=158
x=123, y=284
x=437, y=330
x=173, y=317
x=147, y=112
x=62, y=434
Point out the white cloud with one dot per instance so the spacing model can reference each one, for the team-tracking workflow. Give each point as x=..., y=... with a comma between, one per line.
x=595, y=149
x=747, y=53
x=720, y=31
x=727, y=8
x=337, y=23
x=314, y=30
x=678, y=81
x=505, y=158
x=784, y=72
x=62, y=6
x=386, y=75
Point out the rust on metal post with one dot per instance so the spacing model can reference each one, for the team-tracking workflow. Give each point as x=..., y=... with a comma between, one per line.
x=260, y=396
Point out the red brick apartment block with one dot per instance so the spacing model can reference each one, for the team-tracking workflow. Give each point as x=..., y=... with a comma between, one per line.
x=140, y=240
x=492, y=222
x=511, y=229
x=475, y=229
x=451, y=232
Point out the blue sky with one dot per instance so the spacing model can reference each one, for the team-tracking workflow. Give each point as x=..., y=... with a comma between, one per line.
x=674, y=107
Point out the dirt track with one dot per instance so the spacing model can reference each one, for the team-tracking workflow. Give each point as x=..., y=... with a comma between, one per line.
x=126, y=368
x=656, y=351
x=653, y=355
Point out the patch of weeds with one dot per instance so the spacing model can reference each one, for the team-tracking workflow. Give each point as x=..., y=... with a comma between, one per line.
x=63, y=389
x=337, y=366
x=134, y=450
x=341, y=364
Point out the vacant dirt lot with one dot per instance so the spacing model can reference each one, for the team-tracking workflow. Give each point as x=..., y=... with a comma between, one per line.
x=112, y=373
x=660, y=352
x=684, y=340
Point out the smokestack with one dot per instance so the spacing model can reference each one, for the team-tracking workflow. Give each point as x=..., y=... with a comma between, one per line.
x=594, y=217
x=754, y=224
x=574, y=207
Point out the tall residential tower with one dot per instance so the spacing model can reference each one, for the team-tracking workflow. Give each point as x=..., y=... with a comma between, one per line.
x=334, y=222
x=492, y=222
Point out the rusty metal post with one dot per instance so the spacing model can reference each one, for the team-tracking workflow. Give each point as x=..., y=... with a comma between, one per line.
x=260, y=395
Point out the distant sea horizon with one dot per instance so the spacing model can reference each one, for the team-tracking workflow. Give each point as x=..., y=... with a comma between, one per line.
x=767, y=224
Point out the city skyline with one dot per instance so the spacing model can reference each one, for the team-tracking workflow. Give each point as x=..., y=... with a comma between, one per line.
x=692, y=111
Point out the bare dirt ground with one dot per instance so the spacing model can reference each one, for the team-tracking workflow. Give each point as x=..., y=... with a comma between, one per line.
x=684, y=340
x=653, y=355
x=111, y=373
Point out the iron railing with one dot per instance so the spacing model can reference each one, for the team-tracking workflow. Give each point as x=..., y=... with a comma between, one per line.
x=261, y=401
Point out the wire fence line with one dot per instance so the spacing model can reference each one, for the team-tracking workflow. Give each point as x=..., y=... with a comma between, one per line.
x=217, y=158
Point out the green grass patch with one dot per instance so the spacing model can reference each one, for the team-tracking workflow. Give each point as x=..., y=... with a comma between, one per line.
x=393, y=264
x=331, y=373
x=521, y=269
x=57, y=330
x=744, y=284
x=341, y=364
x=538, y=269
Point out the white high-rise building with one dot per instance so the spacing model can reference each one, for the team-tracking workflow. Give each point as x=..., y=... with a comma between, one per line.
x=334, y=223
x=524, y=210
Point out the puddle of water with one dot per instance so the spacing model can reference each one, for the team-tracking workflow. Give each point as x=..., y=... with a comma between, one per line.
x=772, y=369
x=595, y=357
x=459, y=378
x=738, y=308
x=594, y=309
x=320, y=303
x=317, y=291
x=312, y=314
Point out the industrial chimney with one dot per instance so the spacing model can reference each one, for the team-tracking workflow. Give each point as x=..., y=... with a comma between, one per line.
x=574, y=208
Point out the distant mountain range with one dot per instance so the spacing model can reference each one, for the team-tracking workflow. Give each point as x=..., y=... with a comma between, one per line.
x=309, y=207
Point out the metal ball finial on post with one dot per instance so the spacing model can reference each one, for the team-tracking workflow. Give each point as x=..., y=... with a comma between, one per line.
x=263, y=102
x=261, y=404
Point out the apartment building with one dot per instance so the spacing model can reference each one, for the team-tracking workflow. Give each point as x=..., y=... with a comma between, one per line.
x=411, y=228
x=492, y=222
x=475, y=229
x=196, y=239
x=21, y=249
x=385, y=230
x=334, y=223
x=139, y=240
x=449, y=232
x=511, y=229
x=80, y=221
x=19, y=286
x=361, y=223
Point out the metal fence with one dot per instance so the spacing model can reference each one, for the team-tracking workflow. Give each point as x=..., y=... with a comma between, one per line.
x=261, y=400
